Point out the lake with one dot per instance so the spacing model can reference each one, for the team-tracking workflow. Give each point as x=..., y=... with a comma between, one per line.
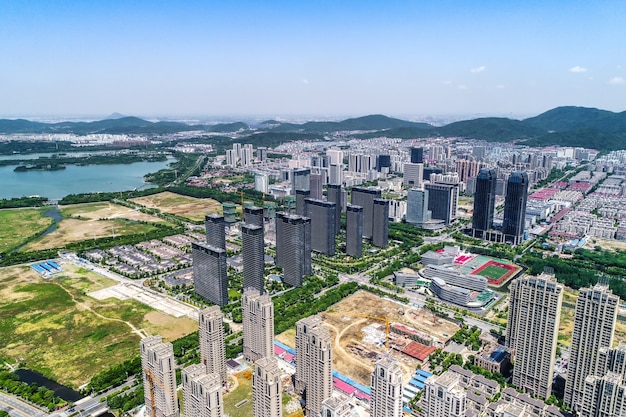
x=75, y=179
x=28, y=376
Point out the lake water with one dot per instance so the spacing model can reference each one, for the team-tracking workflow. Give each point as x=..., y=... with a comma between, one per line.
x=28, y=376
x=75, y=179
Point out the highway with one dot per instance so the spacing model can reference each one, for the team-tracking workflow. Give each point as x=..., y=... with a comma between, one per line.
x=18, y=408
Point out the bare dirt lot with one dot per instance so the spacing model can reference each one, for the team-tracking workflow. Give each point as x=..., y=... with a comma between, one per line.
x=106, y=210
x=346, y=323
x=189, y=207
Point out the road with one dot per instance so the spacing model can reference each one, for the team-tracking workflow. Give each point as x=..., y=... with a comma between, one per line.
x=18, y=408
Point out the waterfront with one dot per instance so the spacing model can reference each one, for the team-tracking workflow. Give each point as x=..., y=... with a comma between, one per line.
x=76, y=179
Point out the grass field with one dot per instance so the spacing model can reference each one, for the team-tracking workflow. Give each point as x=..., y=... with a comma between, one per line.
x=54, y=328
x=189, y=207
x=106, y=210
x=493, y=272
x=19, y=225
x=243, y=392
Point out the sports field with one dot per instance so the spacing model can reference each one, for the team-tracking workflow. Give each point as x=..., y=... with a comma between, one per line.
x=496, y=271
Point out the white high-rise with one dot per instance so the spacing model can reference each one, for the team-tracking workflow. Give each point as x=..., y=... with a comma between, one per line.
x=212, y=345
x=202, y=392
x=258, y=325
x=159, y=377
x=532, y=330
x=267, y=388
x=386, y=398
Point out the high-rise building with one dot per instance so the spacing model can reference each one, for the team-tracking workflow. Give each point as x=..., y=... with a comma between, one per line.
x=484, y=202
x=212, y=345
x=532, y=330
x=335, y=196
x=417, y=212
x=336, y=406
x=354, y=230
x=443, y=201
x=605, y=392
x=257, y=312
x=209, y=272
x=336, y=174
x=293, y=247
x=313, y=363
x=417, y=155
x=261, y=153
x=301, y=196
x=380, y=223
x=322, y=215
x=383, y=163
x=413, y=175
x=300, y=179
x=594, y=326
x=267, y=388
x=159, y=377
x=252, y=248
x=262, y=183
x=316, y=186
x=386, y=398
x=364, y=197
x=335, y=155
x=215, y=232
x=202, y=392
x=444, y=396
x=253, y=215
x=515, y=207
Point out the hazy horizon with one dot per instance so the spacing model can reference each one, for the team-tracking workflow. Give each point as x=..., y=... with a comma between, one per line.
x=334, y=59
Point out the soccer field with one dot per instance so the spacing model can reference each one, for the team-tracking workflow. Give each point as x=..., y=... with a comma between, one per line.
x=493, y=272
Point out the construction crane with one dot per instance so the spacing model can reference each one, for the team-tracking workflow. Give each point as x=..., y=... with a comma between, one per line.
x=151, y=381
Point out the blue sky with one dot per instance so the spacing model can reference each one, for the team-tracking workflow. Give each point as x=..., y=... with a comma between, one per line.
x=325, y=58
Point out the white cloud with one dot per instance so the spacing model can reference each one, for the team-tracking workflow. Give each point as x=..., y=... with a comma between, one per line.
x=304, y=81
x=479, y=69
x=447, y=82
x=500, y=86
x=462, y=87
x=578, y=68
x=616, y=80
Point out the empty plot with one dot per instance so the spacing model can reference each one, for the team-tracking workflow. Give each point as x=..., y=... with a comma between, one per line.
x=190, y=207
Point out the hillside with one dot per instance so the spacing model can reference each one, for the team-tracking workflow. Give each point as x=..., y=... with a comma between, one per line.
x=562, y=119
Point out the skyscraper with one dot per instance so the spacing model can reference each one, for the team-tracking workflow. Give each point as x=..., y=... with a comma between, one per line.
x=364, y=197
x=334, y=196
x=159, y=377
x=258, y=325
x=515, y=207
x=202, y=392
x=252, y=248
x=337, y=406
x=322, y=215
x=484, y=202
x=417, y=212
x=300, y=179
x=212, y=345
x=354, y=230
x=313, y=363
x=532, y=330
x=605, y=393
x=380, y=228
x=417, y=155
x=215, y=233
x=267, y=388
x=209, y=272
x=293, y=247
x=301, y=196
x=316, y=186
x=413, y=175
x=443, y=201
x=253, y=215
x=386, y=398
x=594, y=327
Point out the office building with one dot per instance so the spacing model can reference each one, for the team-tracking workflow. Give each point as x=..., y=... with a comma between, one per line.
x=417, y=155
x=315, y=186
x=253, y=215
x=354, y=231
x=515, y=207
x=313, y=363
x=322, y=215
x=215, y=230
x=267, y=388
x=605, y=392
x=257, y=312
x=335, y=196
x=532, y=330
x=484, y=202
x=467, y=169
x=293, y=247
x=337, y=406
x=380, y=223
x=335, y=174
x=301, y=196
x=413, y=175
x=443, y=201
x=417, y=212
x=335, y=156
x=212, y=345
x=383, y=163
x=159, y=377
x=300, y=179
x=262, y=183
x=209, y=272
x=364, y=197
x=202, y=392
x=252, y=248
x=594, y=327
x=386, y=398
x=261, y=153
x=230, y=212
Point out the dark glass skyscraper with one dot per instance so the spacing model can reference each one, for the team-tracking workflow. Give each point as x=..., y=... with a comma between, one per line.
x=442, y=201
x=301, y=196
x=293, y=247
x=484, y=202
x=364, y=197
x=253, y=215
x=417, y=155
x=334, y=196
x=354, y=230
x=322, y=215
x=215, y=233
x=252, y=247
x=515, y=207
x=209, y=272
x=380, y=228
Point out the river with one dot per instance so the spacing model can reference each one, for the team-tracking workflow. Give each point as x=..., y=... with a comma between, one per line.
x=76, y=179
x=28, y=376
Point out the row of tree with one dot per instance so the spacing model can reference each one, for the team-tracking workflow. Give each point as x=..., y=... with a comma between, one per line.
x=33, y=393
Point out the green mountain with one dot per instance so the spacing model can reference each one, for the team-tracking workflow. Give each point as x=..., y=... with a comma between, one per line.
x=567, y=118
x=493, y=129
x=372, y=122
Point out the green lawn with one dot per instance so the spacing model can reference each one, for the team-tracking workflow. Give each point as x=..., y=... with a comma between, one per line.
x=493, y=272
x=242, y=392
x=17, y=226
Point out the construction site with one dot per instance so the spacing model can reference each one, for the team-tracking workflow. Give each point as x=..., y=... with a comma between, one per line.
x=365, y=326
